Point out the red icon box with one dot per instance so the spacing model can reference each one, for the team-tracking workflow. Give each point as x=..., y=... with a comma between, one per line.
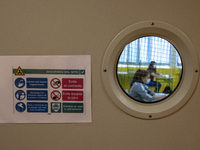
x=72, y=95
x=72, y=83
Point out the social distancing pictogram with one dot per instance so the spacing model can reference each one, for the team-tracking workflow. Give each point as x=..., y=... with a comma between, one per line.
x=20, y=107
x=55, y=83
x=19, y=82
x=20, y=95
x=55, y=95
x=56, y=107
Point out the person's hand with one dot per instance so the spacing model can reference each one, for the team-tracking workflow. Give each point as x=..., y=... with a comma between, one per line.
x=155, y=97
x=161, y=76
x=159, y=97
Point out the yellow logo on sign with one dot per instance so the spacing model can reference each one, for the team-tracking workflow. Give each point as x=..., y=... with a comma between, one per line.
x=19, y=71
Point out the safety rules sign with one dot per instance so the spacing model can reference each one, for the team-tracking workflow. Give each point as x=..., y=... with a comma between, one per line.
x=45, y=89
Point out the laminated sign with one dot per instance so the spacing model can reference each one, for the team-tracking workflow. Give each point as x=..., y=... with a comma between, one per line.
x=45, y=89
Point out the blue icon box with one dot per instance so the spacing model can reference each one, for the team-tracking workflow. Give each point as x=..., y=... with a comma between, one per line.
x=37, y=95
x=40, y=83
x=37, y=107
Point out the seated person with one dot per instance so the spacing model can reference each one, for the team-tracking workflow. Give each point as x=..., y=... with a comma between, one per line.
x=139, y=91
x=152, y=71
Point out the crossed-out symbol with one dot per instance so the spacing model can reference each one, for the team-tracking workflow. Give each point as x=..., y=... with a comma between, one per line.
x=55, y=83
x=55, y=95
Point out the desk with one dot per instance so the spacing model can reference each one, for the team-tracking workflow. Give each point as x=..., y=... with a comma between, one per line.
x=168, y=80
x=160, y=94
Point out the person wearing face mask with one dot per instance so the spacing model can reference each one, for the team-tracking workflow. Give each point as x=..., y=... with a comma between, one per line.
x=138, y=89
x=153, y=73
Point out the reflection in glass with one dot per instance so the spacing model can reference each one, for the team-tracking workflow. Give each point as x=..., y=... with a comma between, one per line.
x=149, y=69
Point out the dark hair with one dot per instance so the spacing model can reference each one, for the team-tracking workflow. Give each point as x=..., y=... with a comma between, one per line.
x=138, y=76
x=151, y=66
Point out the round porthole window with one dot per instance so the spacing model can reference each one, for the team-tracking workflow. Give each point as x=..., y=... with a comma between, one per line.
x=150, y=70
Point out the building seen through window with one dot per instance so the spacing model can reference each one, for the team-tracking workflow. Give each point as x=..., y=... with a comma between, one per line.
x=149, y=69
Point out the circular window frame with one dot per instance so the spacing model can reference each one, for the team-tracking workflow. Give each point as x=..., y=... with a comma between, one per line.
x=156, y=101
x=183, y=92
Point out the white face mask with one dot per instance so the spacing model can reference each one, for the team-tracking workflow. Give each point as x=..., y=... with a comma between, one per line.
x=154, y=66
x=148, y=80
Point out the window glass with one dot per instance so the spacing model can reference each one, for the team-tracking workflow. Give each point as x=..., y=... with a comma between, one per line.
x=149, y=69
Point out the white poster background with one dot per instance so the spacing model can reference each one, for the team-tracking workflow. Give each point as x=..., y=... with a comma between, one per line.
x=8, y=113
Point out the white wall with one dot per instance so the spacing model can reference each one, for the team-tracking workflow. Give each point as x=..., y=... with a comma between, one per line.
x=78, y=27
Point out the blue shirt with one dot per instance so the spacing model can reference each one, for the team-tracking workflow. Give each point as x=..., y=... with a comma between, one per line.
x=141, y=92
